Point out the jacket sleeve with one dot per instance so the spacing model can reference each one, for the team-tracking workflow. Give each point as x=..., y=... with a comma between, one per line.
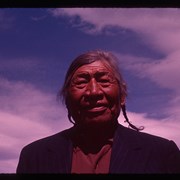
x=173, y=158
x=25, y=164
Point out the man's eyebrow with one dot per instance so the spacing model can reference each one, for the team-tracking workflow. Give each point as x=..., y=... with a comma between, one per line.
x=102, y=72
x=81, y=74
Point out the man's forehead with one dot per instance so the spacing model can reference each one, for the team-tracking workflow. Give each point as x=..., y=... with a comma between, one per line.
x=91, y=69
x=96, y=66
x=93, y=72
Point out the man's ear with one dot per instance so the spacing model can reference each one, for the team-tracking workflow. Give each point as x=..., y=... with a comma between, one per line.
x=123, y=100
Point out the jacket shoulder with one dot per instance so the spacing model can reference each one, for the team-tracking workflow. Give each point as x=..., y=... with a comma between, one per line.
x=46, y=155
x=51, y=141
x=144, y=138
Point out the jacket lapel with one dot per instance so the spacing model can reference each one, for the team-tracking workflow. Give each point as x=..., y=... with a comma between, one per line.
x=127, y=156
x=60, y=154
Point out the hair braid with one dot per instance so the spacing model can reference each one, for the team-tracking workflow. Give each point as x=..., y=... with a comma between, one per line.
x=127, y=120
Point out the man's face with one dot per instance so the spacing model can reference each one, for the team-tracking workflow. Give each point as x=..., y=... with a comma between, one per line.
x=94, y=94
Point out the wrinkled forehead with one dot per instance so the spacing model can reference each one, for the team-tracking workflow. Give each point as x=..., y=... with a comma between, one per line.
x=94, y=67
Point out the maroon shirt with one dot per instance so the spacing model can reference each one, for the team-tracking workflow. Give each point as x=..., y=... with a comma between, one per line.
x=96, y=163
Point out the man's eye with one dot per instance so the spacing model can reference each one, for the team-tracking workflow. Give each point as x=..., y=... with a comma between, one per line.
x=105, y=78
x=104, y=82
x=79, y=83
x=107, y=81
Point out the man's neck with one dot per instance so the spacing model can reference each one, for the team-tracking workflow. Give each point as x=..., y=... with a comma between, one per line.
x=93, y=138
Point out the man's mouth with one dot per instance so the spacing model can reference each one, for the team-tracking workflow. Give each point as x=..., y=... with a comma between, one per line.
x=96, y=108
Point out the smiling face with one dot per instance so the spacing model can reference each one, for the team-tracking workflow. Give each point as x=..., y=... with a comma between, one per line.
x=93, y=95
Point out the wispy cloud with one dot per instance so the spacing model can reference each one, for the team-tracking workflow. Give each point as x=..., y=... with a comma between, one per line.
x=157, y=26
x=18, y=64
x=26, y=114
x=167, y=128
x=164, y=72
x=38, y=18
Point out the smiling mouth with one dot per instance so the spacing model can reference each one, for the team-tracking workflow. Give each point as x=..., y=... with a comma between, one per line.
x=97, y=109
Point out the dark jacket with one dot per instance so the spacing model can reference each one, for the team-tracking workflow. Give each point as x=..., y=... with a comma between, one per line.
x=132, y=152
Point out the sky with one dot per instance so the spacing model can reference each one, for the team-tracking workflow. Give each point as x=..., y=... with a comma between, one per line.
x=37, y=46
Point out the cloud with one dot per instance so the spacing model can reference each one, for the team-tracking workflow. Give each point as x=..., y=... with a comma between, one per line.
x=164, y=72
x=24, y=99
x=167, y=127
x=18, y=64
x=157, y=26
x=16, y=132
x=26, y=114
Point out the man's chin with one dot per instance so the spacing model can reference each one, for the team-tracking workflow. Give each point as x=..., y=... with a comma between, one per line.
x=96, y=121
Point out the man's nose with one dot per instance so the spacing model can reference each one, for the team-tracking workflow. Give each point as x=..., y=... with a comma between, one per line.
x=93, y=88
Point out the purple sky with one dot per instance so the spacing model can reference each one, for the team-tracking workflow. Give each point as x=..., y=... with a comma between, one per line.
x=38, y=44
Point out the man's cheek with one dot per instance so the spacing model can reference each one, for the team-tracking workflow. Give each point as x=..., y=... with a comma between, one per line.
x=73, y=96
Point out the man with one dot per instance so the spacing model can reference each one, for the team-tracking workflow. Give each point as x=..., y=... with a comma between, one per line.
x=94, y=93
